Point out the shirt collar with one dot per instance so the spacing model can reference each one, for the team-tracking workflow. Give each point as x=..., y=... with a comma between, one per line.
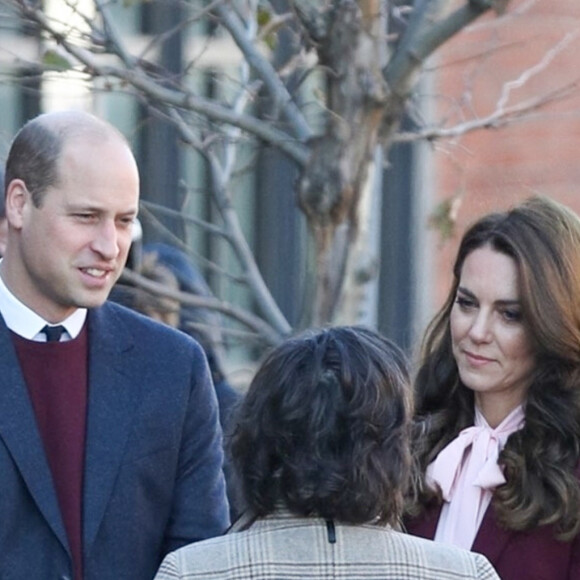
x=26, y=323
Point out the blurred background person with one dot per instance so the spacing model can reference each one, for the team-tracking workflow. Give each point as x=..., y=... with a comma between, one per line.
x=498, y=397
x=163, y=308
x=321, y=447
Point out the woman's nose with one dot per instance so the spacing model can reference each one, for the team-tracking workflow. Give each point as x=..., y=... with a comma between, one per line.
x=480, y=329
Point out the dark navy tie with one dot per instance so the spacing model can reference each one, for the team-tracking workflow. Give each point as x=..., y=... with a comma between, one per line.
x=53, y=333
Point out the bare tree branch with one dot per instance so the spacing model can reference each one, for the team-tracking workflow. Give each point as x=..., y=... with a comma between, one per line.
x=500, y=117
x=237, y=239
x=364, y=79
x=423, y=36
x=532, y=71
x=278, y=91
x=243, y=316
x=169, y=96
x=504, y=115
x=111, y=34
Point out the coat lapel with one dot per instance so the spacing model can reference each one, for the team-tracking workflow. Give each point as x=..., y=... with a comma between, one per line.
x=491, y=539
x=20, y=434
x=112, y=402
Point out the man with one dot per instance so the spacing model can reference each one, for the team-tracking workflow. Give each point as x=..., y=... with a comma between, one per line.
x=110, y=447
x=321, y=449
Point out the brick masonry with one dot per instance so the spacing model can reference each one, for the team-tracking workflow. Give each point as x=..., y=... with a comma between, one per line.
x=494, y=168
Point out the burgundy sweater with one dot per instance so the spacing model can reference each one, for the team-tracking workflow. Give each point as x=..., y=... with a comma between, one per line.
x=57, y=380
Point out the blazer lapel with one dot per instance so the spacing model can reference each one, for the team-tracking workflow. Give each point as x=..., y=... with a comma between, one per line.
x=112, y=398
x=491, y=538
x=20, y=434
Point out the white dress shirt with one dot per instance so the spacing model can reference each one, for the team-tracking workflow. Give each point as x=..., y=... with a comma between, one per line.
x=27, y=324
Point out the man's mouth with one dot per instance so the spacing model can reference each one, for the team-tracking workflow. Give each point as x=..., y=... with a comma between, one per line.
x=96, y=272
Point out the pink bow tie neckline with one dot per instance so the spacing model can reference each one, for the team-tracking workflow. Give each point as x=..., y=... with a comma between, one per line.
x=477, y=450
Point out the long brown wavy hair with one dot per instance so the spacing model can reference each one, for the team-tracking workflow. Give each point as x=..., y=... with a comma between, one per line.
x=541, y=460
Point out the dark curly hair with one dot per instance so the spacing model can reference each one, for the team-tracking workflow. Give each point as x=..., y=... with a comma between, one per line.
x=324, y=428
x=540, y=461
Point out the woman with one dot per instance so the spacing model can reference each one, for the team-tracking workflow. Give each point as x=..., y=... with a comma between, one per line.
x=321, y=447
x=498, y=397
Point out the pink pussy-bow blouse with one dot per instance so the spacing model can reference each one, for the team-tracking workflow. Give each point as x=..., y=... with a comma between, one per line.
x=466, y=470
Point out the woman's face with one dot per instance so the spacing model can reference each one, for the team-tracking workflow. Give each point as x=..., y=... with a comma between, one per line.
x=491, y=343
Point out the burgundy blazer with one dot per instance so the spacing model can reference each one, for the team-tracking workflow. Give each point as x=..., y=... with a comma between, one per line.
x=533, y=555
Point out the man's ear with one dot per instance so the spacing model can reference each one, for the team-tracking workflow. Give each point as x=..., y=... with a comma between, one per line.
x=17, y=199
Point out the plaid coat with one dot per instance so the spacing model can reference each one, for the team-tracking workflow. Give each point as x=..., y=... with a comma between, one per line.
x=284, y=547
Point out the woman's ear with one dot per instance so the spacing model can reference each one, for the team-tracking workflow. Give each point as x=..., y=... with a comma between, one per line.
x=17, y=199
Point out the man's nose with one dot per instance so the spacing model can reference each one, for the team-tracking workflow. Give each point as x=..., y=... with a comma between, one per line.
x=106, y=240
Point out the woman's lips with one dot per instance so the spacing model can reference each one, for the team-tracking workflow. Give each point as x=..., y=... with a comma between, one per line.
x=476, y=359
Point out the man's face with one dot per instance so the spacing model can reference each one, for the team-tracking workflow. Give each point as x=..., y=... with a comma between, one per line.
x=69, y=252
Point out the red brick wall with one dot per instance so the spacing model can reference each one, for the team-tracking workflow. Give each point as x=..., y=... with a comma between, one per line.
x=494, y=168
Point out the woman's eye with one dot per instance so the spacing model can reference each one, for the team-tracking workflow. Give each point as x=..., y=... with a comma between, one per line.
x=512, y=315
x=464, y=302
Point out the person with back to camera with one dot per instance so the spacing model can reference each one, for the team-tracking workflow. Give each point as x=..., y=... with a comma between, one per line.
x=321, y=447
x=110, y=446
x=498, y=397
